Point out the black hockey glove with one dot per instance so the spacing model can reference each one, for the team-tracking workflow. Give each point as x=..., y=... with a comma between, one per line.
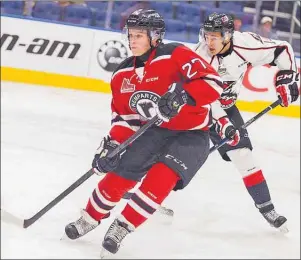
x=101, y=163
x=287, y=86
x=170, y=104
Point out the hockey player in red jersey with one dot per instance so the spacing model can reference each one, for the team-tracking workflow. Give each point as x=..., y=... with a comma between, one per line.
x=230, y=53
x=167, y=155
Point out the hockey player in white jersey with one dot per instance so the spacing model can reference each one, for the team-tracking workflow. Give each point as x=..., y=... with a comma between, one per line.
x=230, y=53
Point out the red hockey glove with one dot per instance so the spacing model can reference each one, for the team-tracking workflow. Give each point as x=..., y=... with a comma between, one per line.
x=286, y=84
x=227, y=130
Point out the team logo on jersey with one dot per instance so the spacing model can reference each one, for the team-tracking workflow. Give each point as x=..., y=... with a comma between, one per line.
x=143, y=103
x=127, y=86
x=229, y=96
x=111, y=54
x=256, y=36
x=222, y=70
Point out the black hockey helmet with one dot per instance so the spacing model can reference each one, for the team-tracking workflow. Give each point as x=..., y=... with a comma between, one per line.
x=149, y=20
x=222, y=23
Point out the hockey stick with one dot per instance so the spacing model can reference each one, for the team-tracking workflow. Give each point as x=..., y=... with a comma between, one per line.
x=249, y=122
x=8, y=217
x=25, y=223
x=217, y=146
x=132, y=138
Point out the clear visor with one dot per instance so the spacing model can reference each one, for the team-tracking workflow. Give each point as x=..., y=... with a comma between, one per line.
x=127, y=34
x=209, y=37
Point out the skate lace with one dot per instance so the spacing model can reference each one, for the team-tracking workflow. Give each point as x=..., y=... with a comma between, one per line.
x=272, y=215
x=117, y=232
x=83, y=226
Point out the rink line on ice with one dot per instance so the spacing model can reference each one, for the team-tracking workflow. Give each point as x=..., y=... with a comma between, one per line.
x=98, y=85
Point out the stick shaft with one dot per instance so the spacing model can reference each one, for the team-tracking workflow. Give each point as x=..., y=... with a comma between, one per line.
x=249, y=122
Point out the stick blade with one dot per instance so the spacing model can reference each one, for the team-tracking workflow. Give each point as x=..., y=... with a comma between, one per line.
x=10, y=218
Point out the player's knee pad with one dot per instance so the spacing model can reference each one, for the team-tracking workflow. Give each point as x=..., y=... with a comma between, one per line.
x=107, y=194
x=155, y=187
x=243, y=160
x=114, y=186
x=159, y=181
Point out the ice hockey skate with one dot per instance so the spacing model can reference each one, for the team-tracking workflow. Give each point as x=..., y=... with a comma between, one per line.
x=276, y=220
x=116, y=233
x=272, y=217
x=81, y=226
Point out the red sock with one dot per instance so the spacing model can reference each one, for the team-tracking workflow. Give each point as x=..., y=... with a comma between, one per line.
x=107, y=194
x=155, y=187
x=254, y=178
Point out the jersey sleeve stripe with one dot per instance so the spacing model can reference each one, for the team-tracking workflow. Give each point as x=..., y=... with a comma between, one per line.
x=122, y=70
x=126, y=117
x=238, y=54
x=125, y=124
x=132, y=122
x=215, y=82
x=163, y=57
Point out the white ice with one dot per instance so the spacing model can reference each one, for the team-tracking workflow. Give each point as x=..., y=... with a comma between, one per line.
x=48, y=139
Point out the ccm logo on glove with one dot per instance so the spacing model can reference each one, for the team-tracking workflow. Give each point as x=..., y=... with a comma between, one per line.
x=286, y=84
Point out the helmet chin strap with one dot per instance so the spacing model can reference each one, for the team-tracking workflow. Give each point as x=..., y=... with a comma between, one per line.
x=224, y=45
x=158, y=41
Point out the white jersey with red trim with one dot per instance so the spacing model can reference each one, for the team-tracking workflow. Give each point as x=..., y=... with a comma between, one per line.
x=247, y=49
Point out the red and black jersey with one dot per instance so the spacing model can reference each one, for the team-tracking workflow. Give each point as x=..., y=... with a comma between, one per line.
x=137, y=87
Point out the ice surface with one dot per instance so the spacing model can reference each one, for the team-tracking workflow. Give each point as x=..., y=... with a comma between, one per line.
x=48, y=139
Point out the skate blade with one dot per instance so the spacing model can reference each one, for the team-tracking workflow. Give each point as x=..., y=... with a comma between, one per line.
x=163, y=218
x=64, y=237
x=105, y=254
x=166, y=211
x=283, y=228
